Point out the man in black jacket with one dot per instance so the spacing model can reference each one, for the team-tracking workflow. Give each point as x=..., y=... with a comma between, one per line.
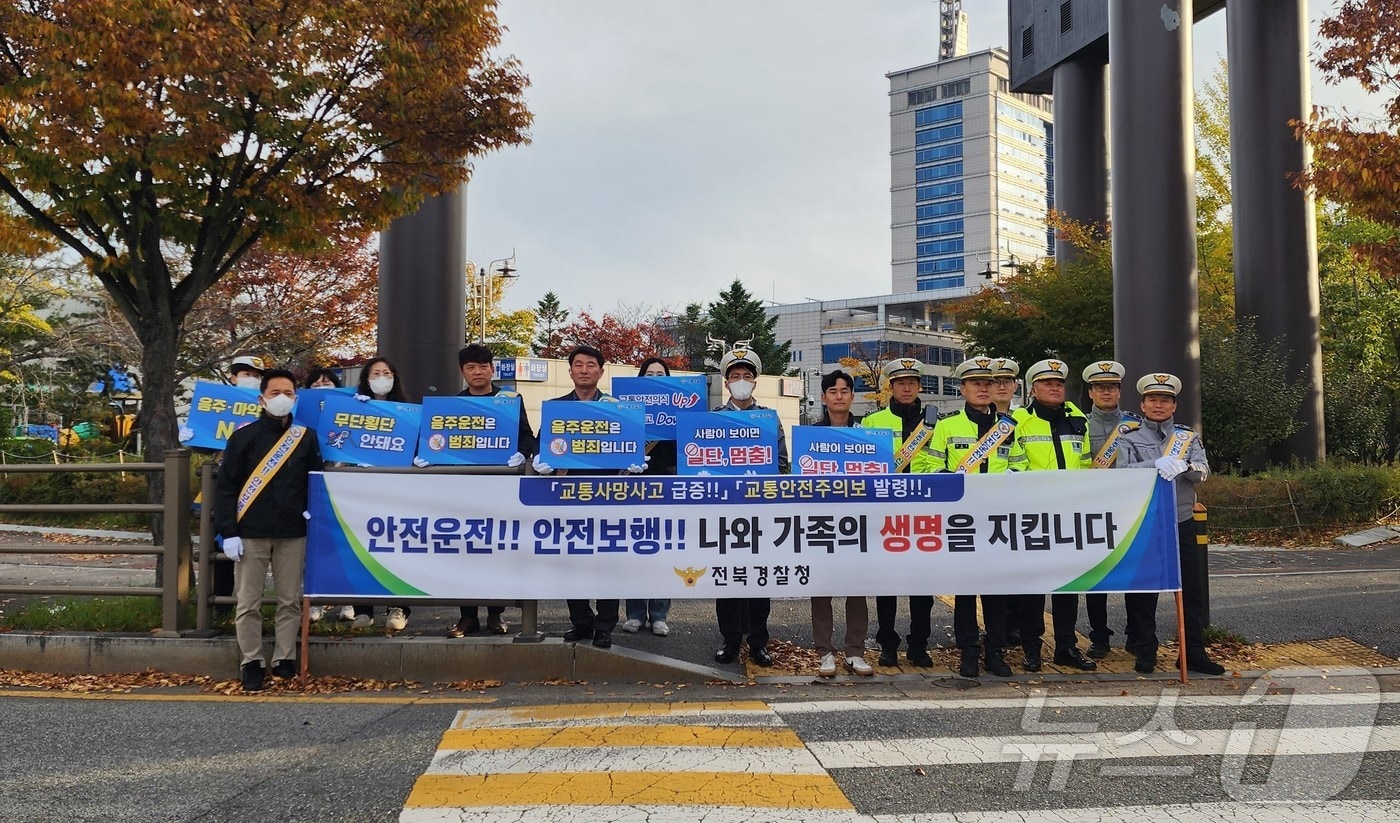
x=260, y=510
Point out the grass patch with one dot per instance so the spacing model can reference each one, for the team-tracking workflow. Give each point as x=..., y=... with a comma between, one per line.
x=96, y=614
x=1224, y=635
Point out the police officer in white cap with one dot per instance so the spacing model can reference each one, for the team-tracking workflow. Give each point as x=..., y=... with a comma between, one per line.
x=1004, y=383
x=1158, y=442
x=1104, y=379
x=246, y=372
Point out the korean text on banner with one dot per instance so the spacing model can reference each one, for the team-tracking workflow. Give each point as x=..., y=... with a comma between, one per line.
x=469, y=431
x=841, y=450
x=470, y=537
x=309, y=402
x=576, y=435
x=372, y=433
x=727, y=442
x=216, y=411
x=663, y=399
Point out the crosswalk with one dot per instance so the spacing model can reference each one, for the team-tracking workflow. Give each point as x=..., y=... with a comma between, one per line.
x=1304, y=749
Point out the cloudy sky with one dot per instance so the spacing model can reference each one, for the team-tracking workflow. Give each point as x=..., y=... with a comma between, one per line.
x=680, y=144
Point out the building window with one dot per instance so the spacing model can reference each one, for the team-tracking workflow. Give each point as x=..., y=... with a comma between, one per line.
x=936, y=283
x=938, y=114
x=928, y=384
x=933, y=210
x=921, y=96
x=959, y=88
x=938, y=135
x=940, y=172
x=950, y=387
x=1066, y=16
x=950, y=246
x=931, y=267
x=1027, y=41
x=953, y=189
x=937, y=153
x=938, y=229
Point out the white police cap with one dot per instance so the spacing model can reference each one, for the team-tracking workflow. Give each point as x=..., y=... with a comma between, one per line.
x=1005, y=367
x=1159, y=383
x=1104, y=371
x=247, y=361
x=740, y=357
x=975, y=368
x=1048, y=370
x=902, y=367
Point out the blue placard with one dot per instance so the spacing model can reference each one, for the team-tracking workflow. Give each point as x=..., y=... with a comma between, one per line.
x=727, y=442
x=841, y=450
x=216, y=411
x=663, y=398
x=368, y=432
x=469, y=431
x=309, y=402
x=589, y=435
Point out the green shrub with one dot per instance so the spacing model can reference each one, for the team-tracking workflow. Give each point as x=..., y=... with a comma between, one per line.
x=1328, y=495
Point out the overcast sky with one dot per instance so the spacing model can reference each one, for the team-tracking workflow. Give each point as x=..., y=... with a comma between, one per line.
x=680, y=144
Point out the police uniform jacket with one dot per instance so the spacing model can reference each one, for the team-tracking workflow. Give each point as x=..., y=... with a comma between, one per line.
x=902, y=421
x=1101, y=425
x=1145, y=443
x=1053, y=438
x=784, y=462
x=525, y=441
x=277, y=512
x=957, y=433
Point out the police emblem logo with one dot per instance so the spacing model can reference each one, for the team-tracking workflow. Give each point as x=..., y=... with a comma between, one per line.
x=1105, y=367
x=1056, y=365
x=984, y=362
x=740, y=353
x=907, y=363
x=1161, y=378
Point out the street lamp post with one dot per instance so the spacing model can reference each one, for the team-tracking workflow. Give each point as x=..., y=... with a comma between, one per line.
x=483, y=284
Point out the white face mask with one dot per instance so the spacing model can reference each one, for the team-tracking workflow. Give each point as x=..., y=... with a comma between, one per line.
x=741, y=390
x=279, y=405
x=381, y=385
x=247, y=381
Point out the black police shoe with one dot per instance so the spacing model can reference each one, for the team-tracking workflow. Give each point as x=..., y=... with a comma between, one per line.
x=968, y=666
x=919, y=657
x=996, y=664
x=603, y=640
x=1201, y=664
x=253, y=676
x=727, y=654
x=1098, y=651
x=1144, y=662
x=760, y=657
x=889, y=657
x=1013, y=637
x=284, y=669
x=1072, y=656
x=576, y=634
x=1032, y=661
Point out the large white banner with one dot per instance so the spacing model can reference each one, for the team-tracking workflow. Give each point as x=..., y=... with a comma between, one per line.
x=484, y=537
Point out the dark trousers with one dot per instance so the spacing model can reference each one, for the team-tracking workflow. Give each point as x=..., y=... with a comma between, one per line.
x=1142, y=608
x=223, y=586
x=965, y=632
x=920, y=621
x=584, y=620
x=1064, y=616
x=731, y=613
x=474, y=612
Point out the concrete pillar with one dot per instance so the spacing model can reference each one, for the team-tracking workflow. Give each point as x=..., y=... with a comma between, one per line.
x=1154, y=196
x=423, y=293
x=1274, y=223
x=1081, y=145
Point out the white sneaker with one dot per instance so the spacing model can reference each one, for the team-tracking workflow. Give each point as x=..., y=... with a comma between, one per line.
x=632, y=626
x=828, y=666
x=316, y=614
x=858, y=666
x=397, y=620
x=346, y=612
x=659, y=628
x=361, y=621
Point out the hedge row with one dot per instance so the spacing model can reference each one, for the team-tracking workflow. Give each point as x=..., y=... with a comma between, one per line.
x=1333, y=494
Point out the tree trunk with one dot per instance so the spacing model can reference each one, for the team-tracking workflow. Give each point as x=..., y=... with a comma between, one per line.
x=159, y=427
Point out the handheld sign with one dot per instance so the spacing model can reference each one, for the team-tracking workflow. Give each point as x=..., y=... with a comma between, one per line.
x=469, y=431
x=589, y=435
x=216, y=411
x=372, y=433
x=309, y=401
x=841, y=450
x=728, y=442
x=663, y=399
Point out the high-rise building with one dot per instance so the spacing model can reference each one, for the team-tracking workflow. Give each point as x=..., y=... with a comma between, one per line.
x=970, y=172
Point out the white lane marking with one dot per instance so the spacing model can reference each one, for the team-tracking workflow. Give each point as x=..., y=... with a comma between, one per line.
x=1303, y=574
x=1100, y=701
x=1362, y=811
x=626, y=759
x=507, y=719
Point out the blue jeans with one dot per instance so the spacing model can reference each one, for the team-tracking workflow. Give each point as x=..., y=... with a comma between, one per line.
x=639, y=609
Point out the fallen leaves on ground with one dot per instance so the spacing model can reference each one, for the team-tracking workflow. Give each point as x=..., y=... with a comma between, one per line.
x=151, y=679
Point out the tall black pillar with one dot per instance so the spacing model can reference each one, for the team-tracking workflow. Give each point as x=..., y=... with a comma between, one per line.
x=423, y=293
x=1274, y=223
x=1081, y=145
x=1154, y=196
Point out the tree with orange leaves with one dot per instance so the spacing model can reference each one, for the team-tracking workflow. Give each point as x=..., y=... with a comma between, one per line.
x=162, y=141
x=619, y=341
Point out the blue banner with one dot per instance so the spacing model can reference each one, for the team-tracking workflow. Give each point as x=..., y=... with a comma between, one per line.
x=216, y=411
x=663, y=399
x=469, y=431
x=727, y=442
x=368, y=432
x=589, y=435
x=833, y=450
x=307, y=411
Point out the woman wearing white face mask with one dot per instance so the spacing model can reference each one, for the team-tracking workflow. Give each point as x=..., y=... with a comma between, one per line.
x=661, y=459
x=379, y=380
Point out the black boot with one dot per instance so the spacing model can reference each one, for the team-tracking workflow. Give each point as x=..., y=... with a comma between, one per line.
x=1033, y=662
x=253, y=676
x=996, y=663
x=968, y=666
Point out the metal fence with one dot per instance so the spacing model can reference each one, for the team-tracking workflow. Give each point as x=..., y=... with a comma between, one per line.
x=174, y=573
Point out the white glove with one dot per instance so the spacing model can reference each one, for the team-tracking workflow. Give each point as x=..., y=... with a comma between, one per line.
x=1170, y=467
x=541, y=467
x=638, y=469
x=516, y=460
x=186, y=433
x=363, y=398
x=420, y=462
x=233, y=548
x=306, y=515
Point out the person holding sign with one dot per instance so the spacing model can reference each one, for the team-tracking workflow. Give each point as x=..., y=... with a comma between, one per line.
x=661, y=456
x=259, y=508
x=379, y=380
x=1055, y=436
x=1105, y=381
x=323, y=378
x=911, y=423
x=476, y=364
x=977, y=438
x=1177, y=453
x=838, y=392
x=740, y=368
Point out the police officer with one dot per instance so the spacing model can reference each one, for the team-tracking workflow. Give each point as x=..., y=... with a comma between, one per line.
x=1150, y=445
x=1004, y=389
x=1104, y=380
x=906, y=418
x=954, y=437
x=1055, y=436
x=740, y=368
